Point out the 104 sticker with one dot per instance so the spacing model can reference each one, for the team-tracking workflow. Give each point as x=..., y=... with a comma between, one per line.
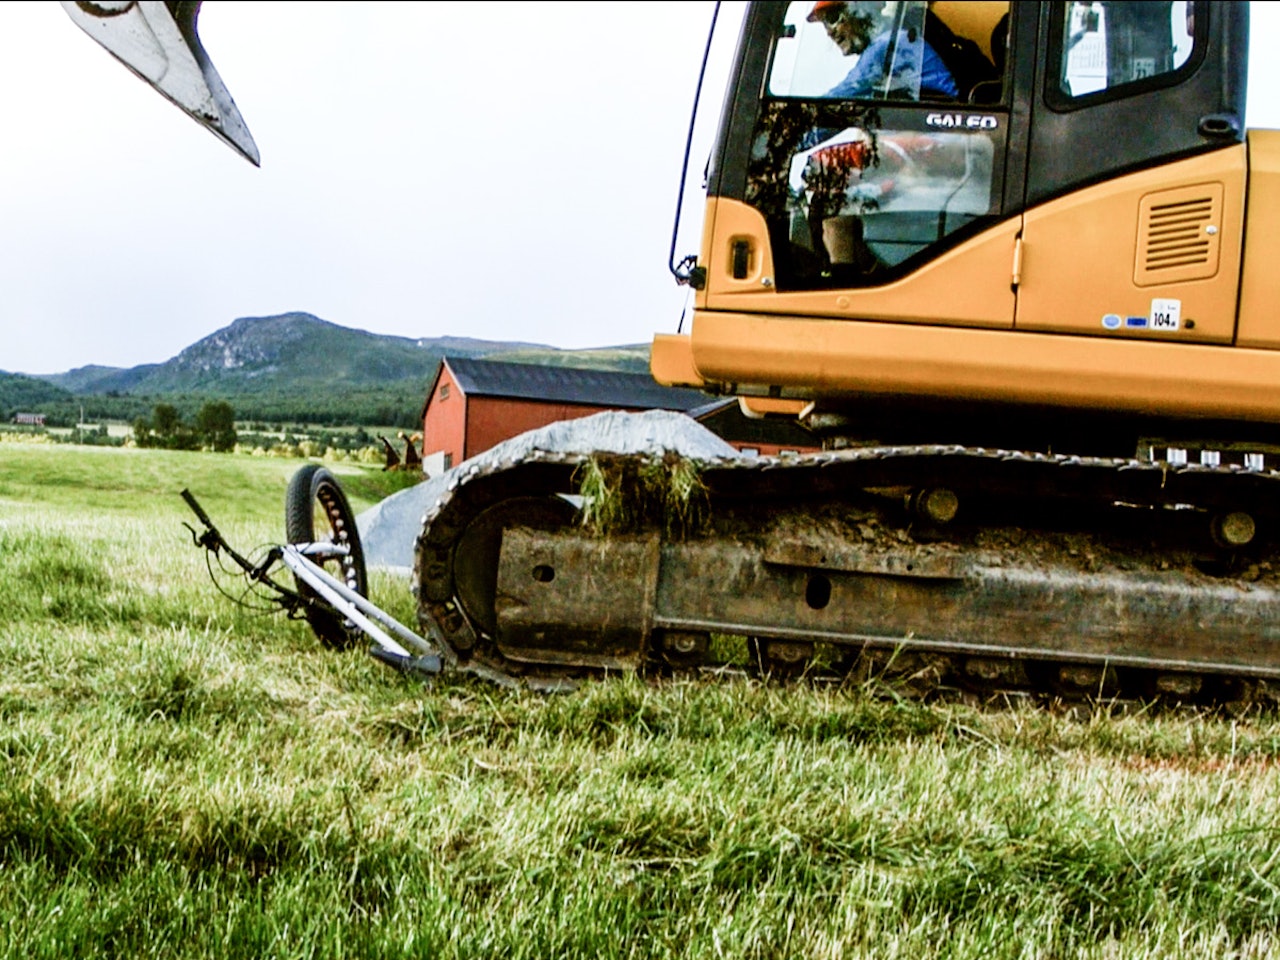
x=1166, y=314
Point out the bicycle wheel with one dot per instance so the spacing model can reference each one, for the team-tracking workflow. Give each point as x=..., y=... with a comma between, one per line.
x=316, y=511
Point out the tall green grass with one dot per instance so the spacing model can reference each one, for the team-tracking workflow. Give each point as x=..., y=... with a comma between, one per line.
x=180, y=777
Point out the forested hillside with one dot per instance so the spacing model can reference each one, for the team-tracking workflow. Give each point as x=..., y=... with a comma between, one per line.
x=293, y=367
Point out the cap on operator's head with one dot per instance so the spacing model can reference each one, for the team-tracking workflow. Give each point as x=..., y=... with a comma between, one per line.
x=823, y=7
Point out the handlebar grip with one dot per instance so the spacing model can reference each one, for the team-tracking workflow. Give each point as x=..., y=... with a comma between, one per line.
x=197, y=509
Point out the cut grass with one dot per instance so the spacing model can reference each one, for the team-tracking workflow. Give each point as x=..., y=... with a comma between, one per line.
x=626, y=494
x=182, y=777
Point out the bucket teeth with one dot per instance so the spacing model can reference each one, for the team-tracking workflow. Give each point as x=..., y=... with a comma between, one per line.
x=158, y=41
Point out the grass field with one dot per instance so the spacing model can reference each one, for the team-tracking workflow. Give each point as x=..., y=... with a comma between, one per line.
x=182, y=777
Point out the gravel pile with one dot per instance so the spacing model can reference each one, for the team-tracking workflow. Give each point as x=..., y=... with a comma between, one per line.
x=388, y=530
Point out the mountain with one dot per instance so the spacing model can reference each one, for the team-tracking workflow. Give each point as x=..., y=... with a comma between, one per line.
x=295, y=368
x=99, y=379
x=630, y=358
x=298, y=354
x=19, y=393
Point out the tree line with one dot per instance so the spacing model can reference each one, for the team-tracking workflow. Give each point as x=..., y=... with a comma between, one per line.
x=384, y=407
x=214, y=427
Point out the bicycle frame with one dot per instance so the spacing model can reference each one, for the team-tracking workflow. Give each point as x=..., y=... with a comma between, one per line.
x=345, y=601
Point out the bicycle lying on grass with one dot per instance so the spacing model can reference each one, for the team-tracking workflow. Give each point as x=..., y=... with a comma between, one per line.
x=321, y=532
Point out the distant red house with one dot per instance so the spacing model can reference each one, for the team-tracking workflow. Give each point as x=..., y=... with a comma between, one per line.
x=754, y=436
x=476, y=404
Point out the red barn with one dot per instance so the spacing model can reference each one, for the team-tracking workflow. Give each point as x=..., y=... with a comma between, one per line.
x=476, y=404
x=754, y=436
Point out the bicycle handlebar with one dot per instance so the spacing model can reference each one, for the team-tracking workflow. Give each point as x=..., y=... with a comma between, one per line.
x=212, y=539
x=199, y=512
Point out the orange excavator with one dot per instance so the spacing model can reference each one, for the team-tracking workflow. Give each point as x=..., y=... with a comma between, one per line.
x=1011, y=263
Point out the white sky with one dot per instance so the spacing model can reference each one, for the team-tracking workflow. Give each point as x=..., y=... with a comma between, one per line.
x=497, y=170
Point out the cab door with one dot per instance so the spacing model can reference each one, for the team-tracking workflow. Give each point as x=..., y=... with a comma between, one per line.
x=1136, y=172
x=864, y=177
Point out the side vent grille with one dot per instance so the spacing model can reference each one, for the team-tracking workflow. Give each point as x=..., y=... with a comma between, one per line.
x=1179, y=235
x=1175, y=234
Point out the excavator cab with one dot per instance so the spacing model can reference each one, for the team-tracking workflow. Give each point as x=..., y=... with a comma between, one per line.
x=855, y=181
x=1059, y=228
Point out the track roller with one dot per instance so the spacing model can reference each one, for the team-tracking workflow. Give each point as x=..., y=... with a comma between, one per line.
x=937, y=505
x=779, y=658
x=683, y=647
x=1233, y=530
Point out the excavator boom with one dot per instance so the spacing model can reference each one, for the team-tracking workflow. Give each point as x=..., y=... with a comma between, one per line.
x=158, y=41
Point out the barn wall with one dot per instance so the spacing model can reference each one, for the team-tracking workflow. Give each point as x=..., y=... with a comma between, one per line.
x=445, y=422
x=490, y=420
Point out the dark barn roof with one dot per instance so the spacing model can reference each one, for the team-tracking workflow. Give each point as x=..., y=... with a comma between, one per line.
x=598, y=388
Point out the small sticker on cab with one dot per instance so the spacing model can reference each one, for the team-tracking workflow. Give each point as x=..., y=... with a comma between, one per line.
x=1166, y=314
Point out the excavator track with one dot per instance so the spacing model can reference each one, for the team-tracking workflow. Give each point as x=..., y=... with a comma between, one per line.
x=986, y=570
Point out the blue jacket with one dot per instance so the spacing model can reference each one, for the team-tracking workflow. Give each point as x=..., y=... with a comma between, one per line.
x=867, y=77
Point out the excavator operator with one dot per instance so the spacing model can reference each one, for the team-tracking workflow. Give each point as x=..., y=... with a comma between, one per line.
x=858, y=28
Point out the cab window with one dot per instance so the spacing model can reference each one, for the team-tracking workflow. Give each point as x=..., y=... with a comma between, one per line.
x=910, y=50
x=869, y=153
x=858, y=50
x=1116, y=46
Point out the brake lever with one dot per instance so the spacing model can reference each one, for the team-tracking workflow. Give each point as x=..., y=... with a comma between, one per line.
x=206, y=539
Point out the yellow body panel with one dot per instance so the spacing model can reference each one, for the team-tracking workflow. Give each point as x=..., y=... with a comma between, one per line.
x=1259, y=324
x=1085, y=256
x=813, y=358
x=968, y=285
x=704, y=252
x=757, y=408
x=671, y=361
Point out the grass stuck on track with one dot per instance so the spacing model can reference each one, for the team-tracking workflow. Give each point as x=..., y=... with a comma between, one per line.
x=183, y=777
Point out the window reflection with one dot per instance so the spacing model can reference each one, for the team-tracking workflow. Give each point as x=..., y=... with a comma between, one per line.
x=1107, y=44
x=871, y=200
x=861, y=164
